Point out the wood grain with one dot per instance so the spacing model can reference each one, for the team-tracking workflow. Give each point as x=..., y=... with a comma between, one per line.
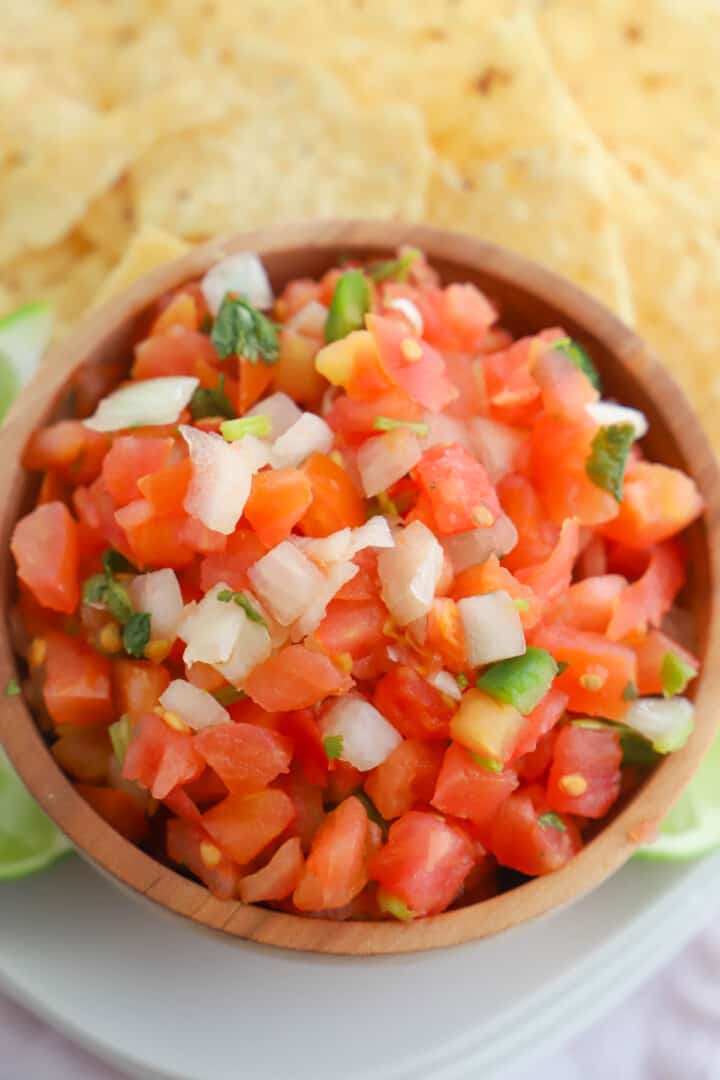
x=530, y=298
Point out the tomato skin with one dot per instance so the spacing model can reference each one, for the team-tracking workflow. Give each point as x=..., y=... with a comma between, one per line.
x=95, y=509
x=165, y=488
x=550, y=578
x=278, y=878
x=649, y=598
x=657, y=503
x=588, y=604
x=245, y=757
x=539, y=722
x=137, y=685
x=308, y=802
x=152, y=540
x=77, y=682
x=278, y=499
x=303, y=729
x=352, y=626
x=242, y=825
x=128, y=459
x=294, y=678
x=336, y=502
x=242, y=550
x=423, y=378
x=559, y=450
x=119, y=809
x=335, y=871
x=519, y=841
x=413, y=705
x=457, y=487
x=467, y=790
x=537, y=535
x=445, y=633
x=45, y=546
x=159, y=757
x=184, y=846
x=406, y=777
x=596, y=757
x=253, y=381
x=650, y=653
x=424, y=862
x=590, y=654
x=353, y=419
x=177, y=351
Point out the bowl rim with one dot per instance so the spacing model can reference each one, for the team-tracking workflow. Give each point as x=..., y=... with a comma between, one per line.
x=145, y=876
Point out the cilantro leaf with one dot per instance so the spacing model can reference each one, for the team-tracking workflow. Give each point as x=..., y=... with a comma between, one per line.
x=394, y=269
x=136, y=633
x=12, y=688
x=552, y=821
x=575, y=352
x=241, y=330
x=636, y=749
x=333, y=746
x=608, y=458
x=241, y=600
x=215, y=402
x=94, y=589
x=116, y=563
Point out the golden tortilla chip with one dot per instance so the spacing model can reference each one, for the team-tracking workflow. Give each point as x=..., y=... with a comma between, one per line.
x=34, y=111
x=108, y=222
x=67, y=275
x=149, y=248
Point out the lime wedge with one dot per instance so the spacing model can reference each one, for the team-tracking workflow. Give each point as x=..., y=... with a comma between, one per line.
x=28, y=839
x=24, y=335
x=692, y=827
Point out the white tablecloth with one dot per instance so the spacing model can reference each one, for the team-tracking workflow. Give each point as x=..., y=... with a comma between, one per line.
x=668, y=1030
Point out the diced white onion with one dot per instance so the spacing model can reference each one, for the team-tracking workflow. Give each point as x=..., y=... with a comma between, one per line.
x=286, y=581
x=310, y=319
x=410, y=311
x=606, y=413
x=367, y=737
x=211, y=628
x=409, y=572
x=493, y=630
x=159, y=594
x=444, y=429
x=308, y=435
x=195, y=706
x=385, y=459
x=446, y=684
x=242, y=274
x=281, y=409
x=334, y=579
x=346, y=543
x=146, y=402
x=221, y=477
x=495, y=445
x=253, y=645
x=666, y=722
x=477, y=545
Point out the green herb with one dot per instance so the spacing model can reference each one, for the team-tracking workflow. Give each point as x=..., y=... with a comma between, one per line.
x=136, y=633
x=120, y=733
x=675, y=674
x=116, y=563
x=117, y=601
x=636, y=749
x=630, y=692
x=575, y=352
x=333, y=746
x=215, y=402
x=608, y=457
x=394, y=269
x=349, y=305
x=372, y=811
x=562, y=666
x=552, y=821
x=461, y=680
x=12, y=688
x=228, y=695
x=488, y=763
x=94, y=589
x=393, y=905
x=523, y=681
x=232, y=430
x=242, y=330
x=387, y=423
x=242, y=601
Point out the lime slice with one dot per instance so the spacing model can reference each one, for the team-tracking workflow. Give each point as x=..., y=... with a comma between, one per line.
x=24, y=335
x=28, y=839
x=692, y=827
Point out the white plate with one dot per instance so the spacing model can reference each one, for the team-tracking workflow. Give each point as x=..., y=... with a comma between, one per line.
x=165, y=1000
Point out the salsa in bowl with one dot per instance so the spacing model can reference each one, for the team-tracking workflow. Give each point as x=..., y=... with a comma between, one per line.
x=360, y=601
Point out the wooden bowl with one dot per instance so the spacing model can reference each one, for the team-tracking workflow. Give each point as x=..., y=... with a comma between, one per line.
x=530, y=298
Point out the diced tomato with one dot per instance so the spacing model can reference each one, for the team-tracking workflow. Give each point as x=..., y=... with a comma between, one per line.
x=181, y=805
x=366, y=377
x=585, y=774
x=84, y=752
x=565, y=389
x=467, y=315
x=424, y=862
x=181, y=310
x=406, y=777
x=460, y=494
x=353, y=626
x=206, y=788
x=411, y=364
x=69, y=447
x=308, y=801
x=278, y=500
x=52, y=489
x=536, y=763
x=657, y=503
x=513, y=393
x=537, y=535
x=559, y=450
x=190, y=846
x=649, y=598
x=336, y=502
x=539, y=722
x=592, y=561
x=295, y=373
x=552, y=577
x=166, y=488
x=45, y=546
x=96, y=510
x=294, y=678
x=599, y=675
x=335, y=871
x=355, y=418
x=304, y=731
x=137, y=685
x=245, y=757
x=202, y=540
x=242, y=825
x=253, y=380
x=153, y=540
x=278, y=878
x=119, y=809
x=243, y=549
x=296, y=295
x=343, y=780
x=588, y=604
x=77, y=682
x=445, y=633
x=159, y=757
x=468, y=790
x=650, y=653
x=521, y=840
x=177, y=351
x=413, y=705
x=490, y=576
x=129, y=459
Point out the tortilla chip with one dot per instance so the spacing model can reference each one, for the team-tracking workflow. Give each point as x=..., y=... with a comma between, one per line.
x=108, y=223
x=67, y=275
x=34, y=111
x=149, y=248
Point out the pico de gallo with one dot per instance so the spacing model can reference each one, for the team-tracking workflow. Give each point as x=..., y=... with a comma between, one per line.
x=348, y=601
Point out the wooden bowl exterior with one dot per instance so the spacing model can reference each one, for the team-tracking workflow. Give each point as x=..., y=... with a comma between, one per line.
x=530, y=298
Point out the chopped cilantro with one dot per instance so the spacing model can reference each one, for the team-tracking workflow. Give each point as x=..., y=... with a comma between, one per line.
x=675, y=674
x=630, y=692
x=117, y=601
x=349, y=305
x=488, y=763
x=228, y=695
x=461, y=680
x=215, y=402
x=120, y=733
x=232, y=430
x=608, y=457
x=636, y=749
x=94, y=589
x=12, y=688
x=136, y=633
x=394, y=269
x=552, y=821
x=333, y=746
x=242, y=601
x=241, y=330
x=575, y=352
x=388, y=423
x=116, y=563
